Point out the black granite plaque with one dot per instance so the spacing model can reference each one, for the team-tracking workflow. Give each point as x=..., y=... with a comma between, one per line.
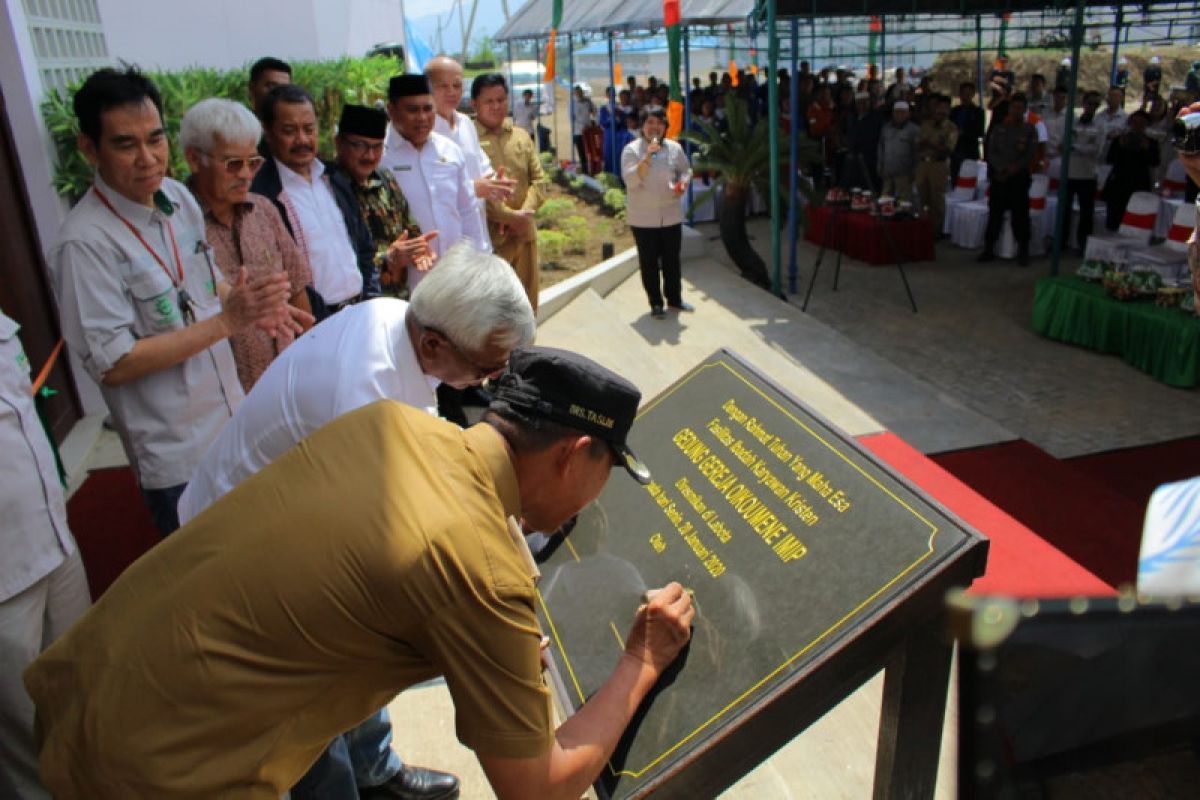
x=789, y=534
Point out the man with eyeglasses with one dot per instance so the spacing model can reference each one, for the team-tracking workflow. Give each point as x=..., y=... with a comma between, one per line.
x=462, y=323
x=324, y=223
x=399, y=243
x=219, y=139
x=141, y=306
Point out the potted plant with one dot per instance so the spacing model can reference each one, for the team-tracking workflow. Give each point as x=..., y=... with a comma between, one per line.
x=739, y=157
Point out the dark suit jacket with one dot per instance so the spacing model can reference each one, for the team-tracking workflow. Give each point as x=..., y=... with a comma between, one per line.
x=268, y=183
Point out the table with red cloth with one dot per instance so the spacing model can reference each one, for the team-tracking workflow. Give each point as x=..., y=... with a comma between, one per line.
x=862, y=236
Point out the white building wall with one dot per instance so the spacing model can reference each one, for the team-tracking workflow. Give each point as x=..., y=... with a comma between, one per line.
x=68, y=43
x=372, y=22
x=228, y=34
x=224, y=34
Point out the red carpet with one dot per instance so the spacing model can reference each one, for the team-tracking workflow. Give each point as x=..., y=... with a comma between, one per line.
x=1020, y=563
x=1074, y=512
x=1042, y=515
x=1136, y=471
x=111, y=525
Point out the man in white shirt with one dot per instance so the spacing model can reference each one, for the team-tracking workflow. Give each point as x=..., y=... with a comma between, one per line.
x=1055, y=120
x=457, y=330
x=446, y=79
x=327, y=227
x=1112, y=119
x=431, y=170
x=525, y=114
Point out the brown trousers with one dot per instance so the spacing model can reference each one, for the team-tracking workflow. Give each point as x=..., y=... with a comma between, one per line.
x=524, y=259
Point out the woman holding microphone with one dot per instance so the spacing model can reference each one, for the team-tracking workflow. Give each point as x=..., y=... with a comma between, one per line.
x=656, y=172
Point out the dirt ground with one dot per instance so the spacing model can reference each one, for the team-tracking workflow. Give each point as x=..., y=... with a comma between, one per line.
x=950, y=69
x=604, y=229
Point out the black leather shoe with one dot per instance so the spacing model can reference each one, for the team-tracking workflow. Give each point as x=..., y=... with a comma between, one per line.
x=682, y=306
x=414, y=783
x=657, y=312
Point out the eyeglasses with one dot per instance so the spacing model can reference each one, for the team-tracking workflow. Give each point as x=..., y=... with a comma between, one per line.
x=235, y=165
x=360, y=146
x=481, y=371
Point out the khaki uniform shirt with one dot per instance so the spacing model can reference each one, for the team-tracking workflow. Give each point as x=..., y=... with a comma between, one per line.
x=936, y=140
x=223, y=661
x=512, y=149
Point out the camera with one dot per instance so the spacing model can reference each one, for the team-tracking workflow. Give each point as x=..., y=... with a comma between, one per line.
x=1185, y=132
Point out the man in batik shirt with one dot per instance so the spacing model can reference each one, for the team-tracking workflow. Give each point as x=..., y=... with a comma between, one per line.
x=399, y=243
x=220, y=139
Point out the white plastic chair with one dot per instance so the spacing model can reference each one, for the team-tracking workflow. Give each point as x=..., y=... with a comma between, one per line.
x=1174, y=180
x=1054, y=171
x=1169, y=259
x=967, y=222
x=1137, y=226
x=963, y=190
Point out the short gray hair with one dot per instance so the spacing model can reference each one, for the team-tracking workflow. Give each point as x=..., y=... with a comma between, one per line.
x=215, y=117
x=474, y=297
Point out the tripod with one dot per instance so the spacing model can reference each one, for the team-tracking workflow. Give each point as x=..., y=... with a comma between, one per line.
x=830, y=229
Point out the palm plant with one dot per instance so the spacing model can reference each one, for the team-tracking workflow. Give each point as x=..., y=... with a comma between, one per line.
x=740, y=159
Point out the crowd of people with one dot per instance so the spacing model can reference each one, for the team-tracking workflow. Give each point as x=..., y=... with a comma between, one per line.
x=908, y=140
x=266, y=380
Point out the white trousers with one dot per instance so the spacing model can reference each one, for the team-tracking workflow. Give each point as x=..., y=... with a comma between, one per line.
x=29, y=622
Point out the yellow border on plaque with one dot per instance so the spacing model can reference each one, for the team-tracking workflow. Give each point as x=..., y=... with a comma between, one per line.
x=933, y=531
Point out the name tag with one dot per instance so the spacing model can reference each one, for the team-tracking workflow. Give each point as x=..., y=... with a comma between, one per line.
x=402, y=168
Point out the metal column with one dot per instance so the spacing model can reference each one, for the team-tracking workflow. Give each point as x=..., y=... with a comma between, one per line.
x=1116, y=47
x=1062, y=224
x=611, y=147
x=773, y=138
x=687, y=110
x=793, y=147
x=571, y=98
x=979, y=58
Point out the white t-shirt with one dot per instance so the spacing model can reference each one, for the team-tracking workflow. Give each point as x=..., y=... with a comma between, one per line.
x=466, y=137
x=336, y=276
x=361, y=354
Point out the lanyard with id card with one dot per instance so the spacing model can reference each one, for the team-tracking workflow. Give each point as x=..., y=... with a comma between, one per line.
x=186, y=309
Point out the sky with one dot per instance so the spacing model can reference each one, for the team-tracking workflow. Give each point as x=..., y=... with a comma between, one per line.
x=425, y=13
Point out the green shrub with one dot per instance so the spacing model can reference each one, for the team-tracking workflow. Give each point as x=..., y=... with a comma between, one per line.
x=614, y=201
x=578, y=232
x=553, y=210
x=550, y=167
x=609, y=181
x=331, y=83
x=551, y=245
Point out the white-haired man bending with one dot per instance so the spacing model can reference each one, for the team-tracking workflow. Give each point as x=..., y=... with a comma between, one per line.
x=457, y=329
x=220, y=141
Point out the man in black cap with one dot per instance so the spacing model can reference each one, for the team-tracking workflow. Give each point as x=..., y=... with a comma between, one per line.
x=431, y=169
x=399, y=243
x=311, y=598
